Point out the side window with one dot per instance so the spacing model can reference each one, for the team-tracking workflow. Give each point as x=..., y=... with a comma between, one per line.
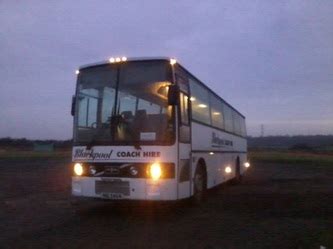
x=243, y=127
x=216, y=109
x=228, y=118
x=237, y=125
x=200, y=102
x=184, y=109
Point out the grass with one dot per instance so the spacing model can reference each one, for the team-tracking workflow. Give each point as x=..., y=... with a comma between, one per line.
x=30, y=155
x=291, y=157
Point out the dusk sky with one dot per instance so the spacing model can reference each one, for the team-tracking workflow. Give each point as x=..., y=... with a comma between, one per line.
x=272, y=60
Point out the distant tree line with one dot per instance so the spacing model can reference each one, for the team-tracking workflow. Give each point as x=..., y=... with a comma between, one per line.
x=27, y=144
x=317, y=142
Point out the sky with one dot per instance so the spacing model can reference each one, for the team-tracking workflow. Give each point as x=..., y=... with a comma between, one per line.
x=272, y=60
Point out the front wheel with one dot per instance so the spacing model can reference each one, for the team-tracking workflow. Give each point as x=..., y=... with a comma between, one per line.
x=200, y=185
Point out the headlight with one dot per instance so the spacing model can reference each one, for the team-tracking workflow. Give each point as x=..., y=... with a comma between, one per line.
x=78, y=169
x=228, y=170
x=155, y=171
x=247, y=164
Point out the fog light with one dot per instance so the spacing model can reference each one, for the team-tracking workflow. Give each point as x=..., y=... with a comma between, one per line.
x=228, y=170
x=92, y=170
x=134, y=171
x=78, y=169
x=247, y=164
x=155, y=171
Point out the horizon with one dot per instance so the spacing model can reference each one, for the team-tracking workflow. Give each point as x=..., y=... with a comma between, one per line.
x=266, y=136
x=270, y=60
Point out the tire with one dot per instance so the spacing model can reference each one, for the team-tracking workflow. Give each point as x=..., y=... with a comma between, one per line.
x=200, y=185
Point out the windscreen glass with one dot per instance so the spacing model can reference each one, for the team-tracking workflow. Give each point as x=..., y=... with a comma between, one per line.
x=124, y=104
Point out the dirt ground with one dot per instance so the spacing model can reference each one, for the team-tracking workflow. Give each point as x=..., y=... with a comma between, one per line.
x=276, y=206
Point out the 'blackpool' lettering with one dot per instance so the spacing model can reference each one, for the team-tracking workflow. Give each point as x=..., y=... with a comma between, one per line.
x=90, y=154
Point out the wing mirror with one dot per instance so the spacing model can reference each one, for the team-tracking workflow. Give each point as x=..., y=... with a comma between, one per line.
x=173, y=95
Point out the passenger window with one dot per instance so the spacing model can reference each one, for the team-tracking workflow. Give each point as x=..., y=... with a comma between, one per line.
x=228, y=118
x=243, y=127
x=200, y=102
x=236, y=120
x=216, y=109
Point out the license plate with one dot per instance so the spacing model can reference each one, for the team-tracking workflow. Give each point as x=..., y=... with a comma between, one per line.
x=112, y=189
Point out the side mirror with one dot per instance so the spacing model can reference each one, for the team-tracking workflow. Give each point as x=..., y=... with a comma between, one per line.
x=73, y=105
x=173, y=95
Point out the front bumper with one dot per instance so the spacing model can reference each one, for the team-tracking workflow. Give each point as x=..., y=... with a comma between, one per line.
x=116, y=188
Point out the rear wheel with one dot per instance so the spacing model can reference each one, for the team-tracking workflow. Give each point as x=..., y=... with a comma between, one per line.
x=200, y=185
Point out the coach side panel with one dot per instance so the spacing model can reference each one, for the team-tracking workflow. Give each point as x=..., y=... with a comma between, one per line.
x=219, y=150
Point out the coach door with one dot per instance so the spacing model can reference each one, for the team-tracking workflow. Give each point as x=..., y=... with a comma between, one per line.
x=184, y=138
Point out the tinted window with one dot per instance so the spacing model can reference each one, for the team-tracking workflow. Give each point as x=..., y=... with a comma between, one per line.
x=237, y=123
x=243, y=127
x=228, y=118
x=200, y=102
x=216, y=109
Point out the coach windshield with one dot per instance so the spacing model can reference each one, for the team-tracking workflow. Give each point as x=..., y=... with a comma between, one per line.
x=124, y=103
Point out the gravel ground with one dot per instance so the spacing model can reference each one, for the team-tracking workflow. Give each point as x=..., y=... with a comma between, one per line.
x=276, y=206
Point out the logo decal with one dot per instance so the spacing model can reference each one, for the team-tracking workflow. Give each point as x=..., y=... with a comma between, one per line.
x=219, y=142
x=90, y=154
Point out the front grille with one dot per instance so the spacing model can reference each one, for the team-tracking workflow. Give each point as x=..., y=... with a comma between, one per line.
x=114, y=187
x=112, y=170
x=123, y=170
